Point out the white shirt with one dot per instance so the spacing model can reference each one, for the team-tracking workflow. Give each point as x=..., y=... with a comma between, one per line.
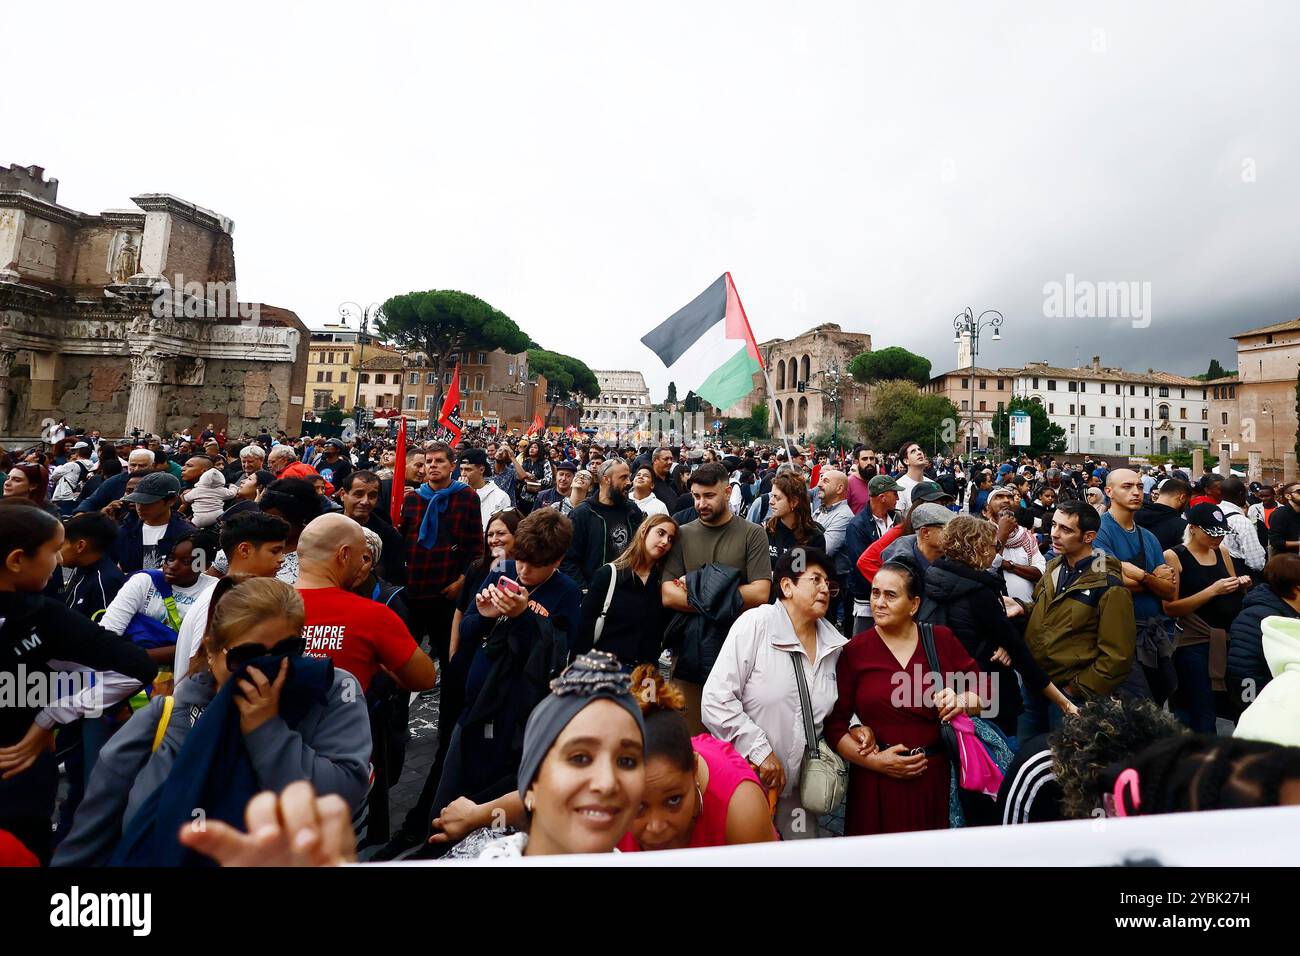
x=1017, y=587
x=650, y=504
x=492, y=499
x=192, y=627
x=751, y=699
x=906, y=483
x=139, y=596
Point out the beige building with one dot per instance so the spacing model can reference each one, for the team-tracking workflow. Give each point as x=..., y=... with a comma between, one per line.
x=1268, y=359
x=494, y=388
x=379, y=381
x=979, y=394
x=130, y=319
x=820, y=358
x=335, y=362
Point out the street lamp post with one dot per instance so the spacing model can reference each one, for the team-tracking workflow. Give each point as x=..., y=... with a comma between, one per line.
x=972, y=325
x=368, y=315
x=833, y=393
x=1268, y=410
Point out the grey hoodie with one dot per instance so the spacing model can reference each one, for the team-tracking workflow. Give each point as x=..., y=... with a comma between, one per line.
x=330, y=747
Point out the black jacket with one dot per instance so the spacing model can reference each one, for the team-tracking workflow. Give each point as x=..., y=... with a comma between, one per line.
x=969, y=602
x=714, y=592
x=589, y=548
x=1245, y=644
x=860, y=535
x=392, y=560
x=634, y=625
x=1162, y=521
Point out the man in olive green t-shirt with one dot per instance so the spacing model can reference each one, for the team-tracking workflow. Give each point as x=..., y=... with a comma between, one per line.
x=717, y=537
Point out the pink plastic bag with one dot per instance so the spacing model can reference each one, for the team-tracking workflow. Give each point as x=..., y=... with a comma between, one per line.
x=978, y=770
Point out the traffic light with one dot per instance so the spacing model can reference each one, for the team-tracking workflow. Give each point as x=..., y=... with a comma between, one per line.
x=802, y=386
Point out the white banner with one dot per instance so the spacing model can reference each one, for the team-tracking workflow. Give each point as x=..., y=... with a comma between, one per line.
x=1020, y=423
x=1265, y=837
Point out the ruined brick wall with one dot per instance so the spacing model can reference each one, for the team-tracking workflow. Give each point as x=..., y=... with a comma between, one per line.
x=90, y=259
x=190, y=253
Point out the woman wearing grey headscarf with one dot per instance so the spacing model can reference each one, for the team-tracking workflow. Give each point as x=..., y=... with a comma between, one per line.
x=582, y=773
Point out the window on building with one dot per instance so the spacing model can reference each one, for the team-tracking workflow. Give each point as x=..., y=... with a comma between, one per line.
x=478, y=383
x=428, y=403
x=1073, y=386
x=363, y=378
x=410, y=403
x=965, y=405
x=1146, y=391
x=1083, y=409
x=464, y=383
x=414, y=380
x=446, y=379
x=1164, y=413
x=1035, y=382
x=329, y=376
x=1146, y=433
x=343, y=375
x=1051, y=384
x=1001, y=385
x=431, y=378
x=381, y=379
x=1071, y=428
x=1205, y=414
x=983, y=406
x=1224, y=416
x=965, y=383
x=1132, y=449
x=1117, y=446
x=482, y=358
x=1051, y=408
x=1205, y=434
x=1182, y=433
x=1164, y=391
x=320, y=377
x=1182, y=413
x=984, y=383
x=1182, y=393
x=321, y=398
x=1071, y=409
x=1146, y=413
x=1092, y=429
x=1132, y=432
x=1132, y=389
x=478, y=407
x=1232, y=391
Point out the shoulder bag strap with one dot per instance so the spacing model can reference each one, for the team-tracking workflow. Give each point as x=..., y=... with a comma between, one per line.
x=168, y=702
x=805, y=706
x=604, y=610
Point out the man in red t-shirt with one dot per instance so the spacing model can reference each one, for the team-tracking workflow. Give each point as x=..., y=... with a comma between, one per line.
x=358, y=634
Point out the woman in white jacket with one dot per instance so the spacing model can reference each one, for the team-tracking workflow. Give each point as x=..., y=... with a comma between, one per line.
x=209, y=494
x=1275, y=714
x=751, y=699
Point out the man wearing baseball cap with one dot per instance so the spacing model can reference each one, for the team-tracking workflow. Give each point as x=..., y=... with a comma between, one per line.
x=144, y=544
x=929, y=492
x=551, y=497
x=70, y=477
x=866, y=528
x=335, y=465
x=474, y=472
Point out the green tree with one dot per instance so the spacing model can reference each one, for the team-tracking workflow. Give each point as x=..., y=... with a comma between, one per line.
x=567, y=378
x=672, y=393
x=442, y=322
x=900, y=412
x=1043, y=435
x=692, y=403
x=744, y=429
x=890, y=364
x=332, y=415
x=1215, y=370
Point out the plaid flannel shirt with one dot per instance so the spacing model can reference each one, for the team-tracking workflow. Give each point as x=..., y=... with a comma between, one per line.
x=460, y=542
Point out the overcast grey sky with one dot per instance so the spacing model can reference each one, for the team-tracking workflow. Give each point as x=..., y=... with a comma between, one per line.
x=589, y=168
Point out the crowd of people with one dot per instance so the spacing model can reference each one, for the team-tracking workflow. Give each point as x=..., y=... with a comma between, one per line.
x=635, y=648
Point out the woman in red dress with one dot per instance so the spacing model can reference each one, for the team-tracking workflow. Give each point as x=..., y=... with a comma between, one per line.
x=898, y=774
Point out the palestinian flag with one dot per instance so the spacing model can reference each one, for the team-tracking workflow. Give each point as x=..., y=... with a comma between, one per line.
x=708, y=346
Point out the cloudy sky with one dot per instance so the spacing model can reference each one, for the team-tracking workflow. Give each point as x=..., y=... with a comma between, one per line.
x=588, y=168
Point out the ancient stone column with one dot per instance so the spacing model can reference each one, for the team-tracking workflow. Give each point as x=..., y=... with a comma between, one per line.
x=1198, y=463
x=146, y=384
x=1254, y=465
x=6, y=364
x=1288, y=466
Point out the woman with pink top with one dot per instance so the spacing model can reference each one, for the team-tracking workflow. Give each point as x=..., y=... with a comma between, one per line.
x=698, y=790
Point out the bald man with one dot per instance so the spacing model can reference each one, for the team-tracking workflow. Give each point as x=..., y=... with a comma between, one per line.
x=835, y=515
x=358, y=634
x=1146, y=574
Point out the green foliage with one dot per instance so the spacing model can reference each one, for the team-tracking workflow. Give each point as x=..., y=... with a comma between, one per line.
x=443, y=321
x=565, y=375
x=1215, y=370
x=332, y=415
x=1044, y=436
x=1182, y=457
x=745, y=429
x=890, y=364
x=672, y=393
x=900, y=412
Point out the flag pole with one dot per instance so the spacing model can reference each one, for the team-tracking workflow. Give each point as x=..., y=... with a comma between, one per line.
x=767, y=377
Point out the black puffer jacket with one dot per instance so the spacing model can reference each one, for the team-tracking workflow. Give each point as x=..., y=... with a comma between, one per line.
x=714, y=592
x=589, y=549
x=1245, y=650
x=970, y=602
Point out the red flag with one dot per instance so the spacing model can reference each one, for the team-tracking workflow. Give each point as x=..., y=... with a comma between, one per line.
x=399, y=476
x=450, y=416
x=536, y=427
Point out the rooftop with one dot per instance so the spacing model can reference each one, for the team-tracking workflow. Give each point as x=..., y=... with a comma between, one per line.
x=1291, y=325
